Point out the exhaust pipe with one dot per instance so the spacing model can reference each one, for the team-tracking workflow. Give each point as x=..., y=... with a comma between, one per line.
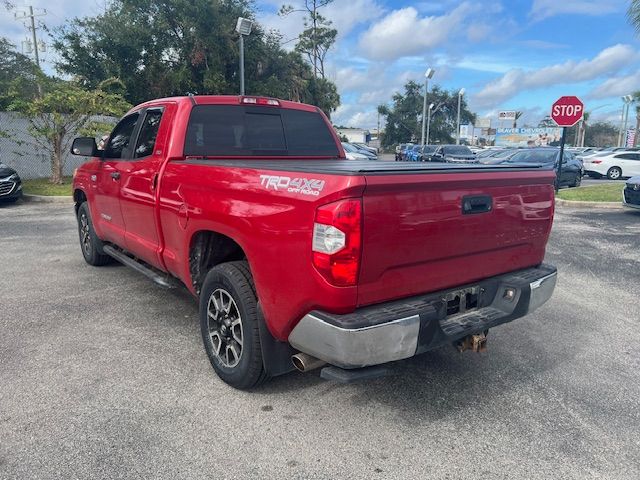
x=305, y=363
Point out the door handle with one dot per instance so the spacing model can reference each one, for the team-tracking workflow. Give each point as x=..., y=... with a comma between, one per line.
x=476, y=204
x=115, y=175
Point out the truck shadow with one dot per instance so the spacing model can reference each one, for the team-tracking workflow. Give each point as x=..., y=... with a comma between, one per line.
x=439, y=383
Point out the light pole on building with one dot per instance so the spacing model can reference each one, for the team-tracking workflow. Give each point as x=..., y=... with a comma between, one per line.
x=243, y=27
x=460, y=94
x=427, y=76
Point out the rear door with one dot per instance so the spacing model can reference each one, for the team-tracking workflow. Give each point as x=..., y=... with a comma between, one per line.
x=106, y=213
x=634, y=165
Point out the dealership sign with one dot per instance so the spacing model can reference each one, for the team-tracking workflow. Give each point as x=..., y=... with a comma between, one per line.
x=507, y=115
x=567, y=111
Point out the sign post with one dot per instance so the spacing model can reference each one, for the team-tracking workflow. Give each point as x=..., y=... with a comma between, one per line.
x=566, y=112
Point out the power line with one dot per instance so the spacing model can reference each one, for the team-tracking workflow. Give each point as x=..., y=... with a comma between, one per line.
x=31, y=26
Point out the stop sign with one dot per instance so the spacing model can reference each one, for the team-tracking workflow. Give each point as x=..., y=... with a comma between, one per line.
x=567, y=111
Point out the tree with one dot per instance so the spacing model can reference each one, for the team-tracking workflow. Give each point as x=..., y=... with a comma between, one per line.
x=633, y=14
x=404, y=117
x=318, y=37
x=19, y=76
x=601, y=134
x=547, y=122
x=515, y=120
x=159, y=48
x=63, y=109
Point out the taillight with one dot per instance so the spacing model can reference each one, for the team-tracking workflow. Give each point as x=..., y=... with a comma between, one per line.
x=596, y=161
x=337, y=241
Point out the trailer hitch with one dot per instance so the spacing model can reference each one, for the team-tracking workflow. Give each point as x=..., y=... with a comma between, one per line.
x=476, y=343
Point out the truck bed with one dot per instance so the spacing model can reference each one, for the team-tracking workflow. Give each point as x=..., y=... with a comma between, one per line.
x=364, y=167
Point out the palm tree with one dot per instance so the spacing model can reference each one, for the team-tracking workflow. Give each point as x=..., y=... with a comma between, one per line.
x=515, y=121
x=582, y=128
x=633, y=14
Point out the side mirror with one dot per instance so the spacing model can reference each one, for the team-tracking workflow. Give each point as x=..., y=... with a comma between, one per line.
x=85, y=147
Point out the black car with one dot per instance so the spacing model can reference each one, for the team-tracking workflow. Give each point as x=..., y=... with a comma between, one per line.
x=454, y=154
x=10, y=184
x=425, y=154
x=571, y=167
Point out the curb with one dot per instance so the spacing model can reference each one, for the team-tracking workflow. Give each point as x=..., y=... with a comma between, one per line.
x=47, y=198
x=577, y=204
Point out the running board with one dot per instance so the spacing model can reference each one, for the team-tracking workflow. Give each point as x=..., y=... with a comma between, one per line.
x=162, y=280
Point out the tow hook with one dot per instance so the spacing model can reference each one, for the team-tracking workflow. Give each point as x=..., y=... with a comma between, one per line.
x=476, y=343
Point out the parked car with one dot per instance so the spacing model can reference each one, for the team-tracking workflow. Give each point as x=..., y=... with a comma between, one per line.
x=402, y=156
x=548, y=156
x=302, y=263
x=614, y=165
x=631, y=193
x=400, y=149
x=411, y=154
x=369, y=153
x=10, y=184
x=355, y=154
x=454, y=154
x=425, y=154
x=366, y=147
x=498, y=156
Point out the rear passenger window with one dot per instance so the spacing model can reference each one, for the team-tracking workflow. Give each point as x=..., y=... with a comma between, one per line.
x=148, y=133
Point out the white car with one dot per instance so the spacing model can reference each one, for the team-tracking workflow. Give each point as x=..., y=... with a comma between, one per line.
x=352, y=153
x=631, y=193
x=614, y=165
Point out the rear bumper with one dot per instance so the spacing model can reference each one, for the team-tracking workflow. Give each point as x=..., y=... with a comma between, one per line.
x=404, y=328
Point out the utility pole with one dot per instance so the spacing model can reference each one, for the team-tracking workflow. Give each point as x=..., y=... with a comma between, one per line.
x=31, y=16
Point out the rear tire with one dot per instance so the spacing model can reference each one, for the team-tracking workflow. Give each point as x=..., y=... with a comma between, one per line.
x=577, y=181
x=90, y=244
x=229, y=325
x=614, y=173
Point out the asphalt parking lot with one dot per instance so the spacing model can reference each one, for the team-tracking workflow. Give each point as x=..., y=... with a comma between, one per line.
x=103, y=375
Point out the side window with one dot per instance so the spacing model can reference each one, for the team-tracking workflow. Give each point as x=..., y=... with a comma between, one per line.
x=625, y=156
x=636, y=156
x=148, y=133
x=121, y=136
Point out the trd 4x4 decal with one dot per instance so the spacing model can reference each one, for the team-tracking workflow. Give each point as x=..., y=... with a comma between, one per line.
x=304, y=186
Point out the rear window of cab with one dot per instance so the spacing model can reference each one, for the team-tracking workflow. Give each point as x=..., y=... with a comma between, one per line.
x=240, y=130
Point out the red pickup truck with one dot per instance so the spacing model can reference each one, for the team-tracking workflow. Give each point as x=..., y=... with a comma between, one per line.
x=300, y=257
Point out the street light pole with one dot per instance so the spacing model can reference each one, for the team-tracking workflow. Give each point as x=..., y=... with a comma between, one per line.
x=429, y=121
x=627, y=99
x=427, y=75
x=460, y=94
x=243, y=27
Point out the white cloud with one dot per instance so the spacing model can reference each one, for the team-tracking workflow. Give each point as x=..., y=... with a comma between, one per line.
x=617, y=86
x=542, y=9
x=607, y=61
x=403, y=32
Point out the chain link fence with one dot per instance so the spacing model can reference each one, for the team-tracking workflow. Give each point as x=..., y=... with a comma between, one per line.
x=19, y=151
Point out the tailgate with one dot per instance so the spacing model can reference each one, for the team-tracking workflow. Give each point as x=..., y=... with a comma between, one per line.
x=417, y=238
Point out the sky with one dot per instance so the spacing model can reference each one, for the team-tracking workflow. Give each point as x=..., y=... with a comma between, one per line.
x=507, y=54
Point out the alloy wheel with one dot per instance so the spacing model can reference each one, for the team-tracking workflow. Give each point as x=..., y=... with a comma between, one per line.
x=225, y=327
x=85, y=237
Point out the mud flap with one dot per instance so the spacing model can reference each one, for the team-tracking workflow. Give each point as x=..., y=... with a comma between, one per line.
x=276, y=355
